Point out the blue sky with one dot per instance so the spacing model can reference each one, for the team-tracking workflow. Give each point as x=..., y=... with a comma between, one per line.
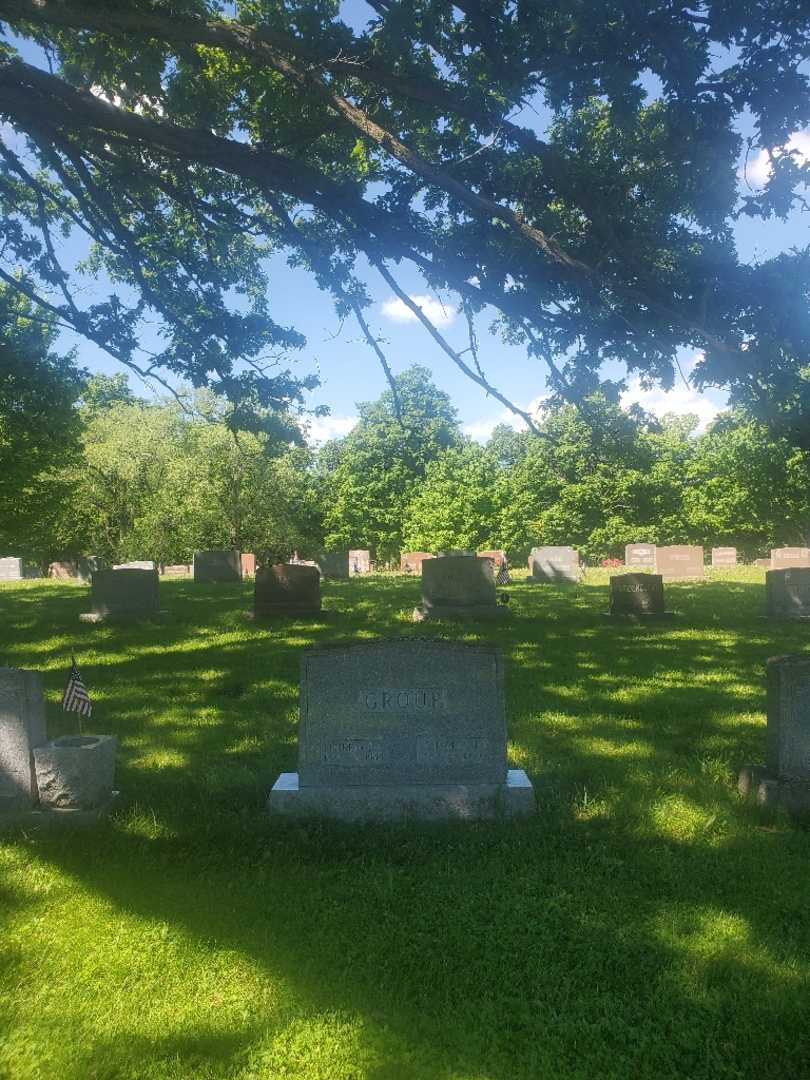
x=350, y=372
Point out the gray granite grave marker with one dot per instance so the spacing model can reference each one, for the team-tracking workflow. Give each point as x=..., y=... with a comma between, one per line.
x=402, y=729
x=554, y=565
x=679, y=562
x=123, y=594
x=639, y=555
x=221, y=565
x=458, y=587
x=785, y=778
x=788, y=593
x=724, y=556
x=22, y=727
x=287, y=589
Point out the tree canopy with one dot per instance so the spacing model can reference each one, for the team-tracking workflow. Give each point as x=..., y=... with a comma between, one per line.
x=569, y=168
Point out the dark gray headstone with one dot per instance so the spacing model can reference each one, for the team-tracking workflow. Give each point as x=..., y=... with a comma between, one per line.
x=788, y=593
x=637, y=594
x=287, y=589
x=554, y=565
x=125, y=594
x=22, y=727
x=639, y=555
x=787, y=557
x=220, y=565
x=724, y=556
x=334, y=564
x=458, y=587
x=402, y=728
x=788, y=736
x=680, y=562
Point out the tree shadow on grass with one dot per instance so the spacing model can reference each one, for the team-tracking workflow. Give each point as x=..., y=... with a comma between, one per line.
x=655, y=928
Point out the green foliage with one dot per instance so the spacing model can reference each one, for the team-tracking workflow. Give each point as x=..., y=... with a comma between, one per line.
x=372, y=476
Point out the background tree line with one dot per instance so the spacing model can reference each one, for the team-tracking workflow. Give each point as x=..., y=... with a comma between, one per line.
x=91, y=468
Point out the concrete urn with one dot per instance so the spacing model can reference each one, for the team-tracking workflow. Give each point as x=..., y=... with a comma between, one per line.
x=75, y=772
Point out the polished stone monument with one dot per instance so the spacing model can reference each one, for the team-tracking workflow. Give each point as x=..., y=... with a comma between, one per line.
x=123, y=594
x=787, y=593
x=680, y=562
x=639, y=596
x=22, y=727
x=458, y=587
x=221, y=565
x=639, y=555
x=785, y=778
x=402, y=729
x=554, y=565
x=287, y=589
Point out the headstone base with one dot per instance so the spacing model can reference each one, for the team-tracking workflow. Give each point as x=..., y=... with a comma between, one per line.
x=769, y=791
x=100, y=617
x=46, y=819
x=423, y=613
x=75, y=772
x=426, y=802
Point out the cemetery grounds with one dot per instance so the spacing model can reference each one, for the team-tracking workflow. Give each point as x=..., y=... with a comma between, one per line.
x=646, y=923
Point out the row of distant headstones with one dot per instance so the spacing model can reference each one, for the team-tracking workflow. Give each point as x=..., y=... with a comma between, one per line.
x=671, y=560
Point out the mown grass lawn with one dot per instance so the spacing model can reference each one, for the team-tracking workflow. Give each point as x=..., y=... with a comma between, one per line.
x=645, y=924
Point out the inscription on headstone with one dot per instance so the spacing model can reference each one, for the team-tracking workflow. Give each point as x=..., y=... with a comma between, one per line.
x=123, y=594
x=679, y=562
x=22, y=727
x=554, y=565
x=786, y=557
x=219, y=565
x=639, y=555
x=788, y=593
x=402, y=728
x=724, y=556
x=410, y=562
x=458, y=587
x=287, y=589
x=640, y=595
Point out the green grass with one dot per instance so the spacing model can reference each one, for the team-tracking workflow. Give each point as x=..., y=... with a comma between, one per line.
x=645, y=924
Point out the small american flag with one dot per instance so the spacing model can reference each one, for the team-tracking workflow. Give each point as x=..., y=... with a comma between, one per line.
x=503, y=574
x=75, y=697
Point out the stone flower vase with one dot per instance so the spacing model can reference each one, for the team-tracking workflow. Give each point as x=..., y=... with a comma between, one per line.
x=75, y=772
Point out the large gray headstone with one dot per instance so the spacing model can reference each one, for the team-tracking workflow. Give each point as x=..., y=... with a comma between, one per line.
x=786, y=557
x=554, y=565
x=402, y=728
x=220, y=565
x=22, y=727
x=788, y=735
x=334, y=564
x=788, y=593
x=637, y=594
x=724, y=556
x=458, y=587
x=410, y=562
x=679, y=562
x=123, y=594
x=360, y=561
x=287, y=589
x=639, y=555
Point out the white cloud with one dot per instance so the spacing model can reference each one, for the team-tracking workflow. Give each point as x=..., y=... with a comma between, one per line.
x=438, y=313
x=758, y=170
x=321, y=428
x=482, y=429
x=681, y=399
